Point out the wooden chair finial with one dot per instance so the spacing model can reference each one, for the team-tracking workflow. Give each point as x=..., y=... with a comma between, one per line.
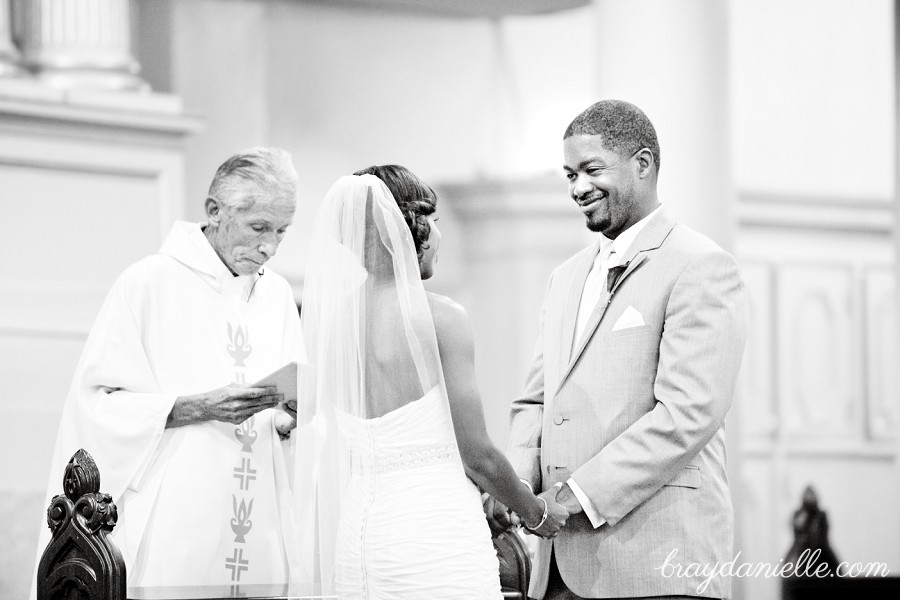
x=81, y=562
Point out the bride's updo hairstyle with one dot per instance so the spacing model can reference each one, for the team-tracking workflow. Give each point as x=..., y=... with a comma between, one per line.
x=415, y=198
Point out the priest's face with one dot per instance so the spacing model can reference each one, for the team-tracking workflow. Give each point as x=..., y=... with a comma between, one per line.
x=245, y=238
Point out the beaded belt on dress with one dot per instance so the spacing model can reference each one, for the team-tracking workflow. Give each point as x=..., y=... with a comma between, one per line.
x=409, y=458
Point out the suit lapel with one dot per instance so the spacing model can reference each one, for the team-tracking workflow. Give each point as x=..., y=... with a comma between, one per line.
x=647, y=241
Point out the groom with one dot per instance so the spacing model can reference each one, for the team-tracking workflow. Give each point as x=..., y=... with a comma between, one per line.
x=641, y=339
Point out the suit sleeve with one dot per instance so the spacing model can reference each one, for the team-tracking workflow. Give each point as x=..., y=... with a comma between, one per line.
x=526, y=415
x=700, y=353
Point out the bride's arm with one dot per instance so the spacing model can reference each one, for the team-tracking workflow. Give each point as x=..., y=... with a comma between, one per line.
x=484, y=462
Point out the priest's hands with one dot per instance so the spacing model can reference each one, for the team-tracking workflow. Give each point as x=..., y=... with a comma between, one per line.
x=231, y=404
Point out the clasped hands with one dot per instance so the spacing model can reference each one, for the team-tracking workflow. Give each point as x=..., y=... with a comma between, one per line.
x=500, y=518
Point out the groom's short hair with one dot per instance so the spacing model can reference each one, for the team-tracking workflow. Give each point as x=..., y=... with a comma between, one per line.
x=624, y=127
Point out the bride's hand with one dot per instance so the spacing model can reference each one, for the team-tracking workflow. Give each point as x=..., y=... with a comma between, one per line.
x=284, y=423
x=499, y=517
x=556, y=516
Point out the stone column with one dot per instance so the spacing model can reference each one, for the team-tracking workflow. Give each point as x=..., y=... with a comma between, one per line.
x=79, y=44
x=9, y=56
x=671, y=59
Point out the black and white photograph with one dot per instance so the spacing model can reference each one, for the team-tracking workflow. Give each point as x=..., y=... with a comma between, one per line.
x=450, y=299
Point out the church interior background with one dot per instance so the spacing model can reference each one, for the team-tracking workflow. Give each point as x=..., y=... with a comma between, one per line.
x=777, y=120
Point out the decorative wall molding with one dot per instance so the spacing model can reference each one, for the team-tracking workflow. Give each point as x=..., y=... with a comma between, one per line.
x=780, y=212
x=880, y=326
x=25, y=104
x=823, y=450
x=464, y=8
x=816, y=352
x=38, y=155
x=820, y=274
x=819, y=369
x=756, y=386
x=44, y=331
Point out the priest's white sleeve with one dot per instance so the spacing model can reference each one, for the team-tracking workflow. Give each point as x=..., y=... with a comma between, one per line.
x=115, y=410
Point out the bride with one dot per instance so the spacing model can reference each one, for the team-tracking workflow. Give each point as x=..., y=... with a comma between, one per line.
x=386, y=461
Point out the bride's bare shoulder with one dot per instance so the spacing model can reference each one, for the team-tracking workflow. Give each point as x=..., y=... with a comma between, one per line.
x=450, y=317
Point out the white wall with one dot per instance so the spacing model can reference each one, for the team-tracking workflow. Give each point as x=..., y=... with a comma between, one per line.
x=813, y=95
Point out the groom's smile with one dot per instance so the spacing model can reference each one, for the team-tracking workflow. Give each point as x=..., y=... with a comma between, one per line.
x=589, y=204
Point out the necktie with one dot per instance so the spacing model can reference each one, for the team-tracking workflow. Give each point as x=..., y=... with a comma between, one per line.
x=593, y=287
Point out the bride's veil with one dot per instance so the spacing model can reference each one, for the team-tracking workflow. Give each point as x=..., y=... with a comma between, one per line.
x=371, y=348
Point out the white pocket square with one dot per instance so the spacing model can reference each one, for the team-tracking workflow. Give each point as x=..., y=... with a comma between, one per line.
x=628, y=319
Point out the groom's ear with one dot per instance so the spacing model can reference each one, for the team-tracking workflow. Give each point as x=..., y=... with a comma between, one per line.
x=645, y=161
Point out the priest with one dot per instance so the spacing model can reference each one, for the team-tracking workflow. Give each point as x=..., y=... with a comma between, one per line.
x=163, y=396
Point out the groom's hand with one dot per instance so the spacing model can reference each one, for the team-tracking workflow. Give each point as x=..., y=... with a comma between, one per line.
x=557, y=514
x=567, y=498
x=499, y=517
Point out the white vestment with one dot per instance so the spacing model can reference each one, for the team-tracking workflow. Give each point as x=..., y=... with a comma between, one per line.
x=204, y=503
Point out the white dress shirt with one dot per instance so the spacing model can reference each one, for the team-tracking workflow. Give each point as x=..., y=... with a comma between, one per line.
x=594, y=285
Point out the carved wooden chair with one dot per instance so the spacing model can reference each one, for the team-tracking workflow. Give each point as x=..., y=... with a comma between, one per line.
x=813, y=550
x=515, y=565
x=81, y=562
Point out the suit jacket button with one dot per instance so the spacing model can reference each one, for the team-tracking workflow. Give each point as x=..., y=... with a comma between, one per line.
x=558, y=419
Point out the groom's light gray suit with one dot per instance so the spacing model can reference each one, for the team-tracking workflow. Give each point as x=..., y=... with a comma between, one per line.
x=634, y=413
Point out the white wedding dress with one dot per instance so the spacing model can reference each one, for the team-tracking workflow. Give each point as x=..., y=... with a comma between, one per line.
x=384, y=507
x=412, y=525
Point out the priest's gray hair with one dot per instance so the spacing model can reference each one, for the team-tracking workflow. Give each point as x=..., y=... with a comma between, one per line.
x=624, y=127
x=254, y=174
